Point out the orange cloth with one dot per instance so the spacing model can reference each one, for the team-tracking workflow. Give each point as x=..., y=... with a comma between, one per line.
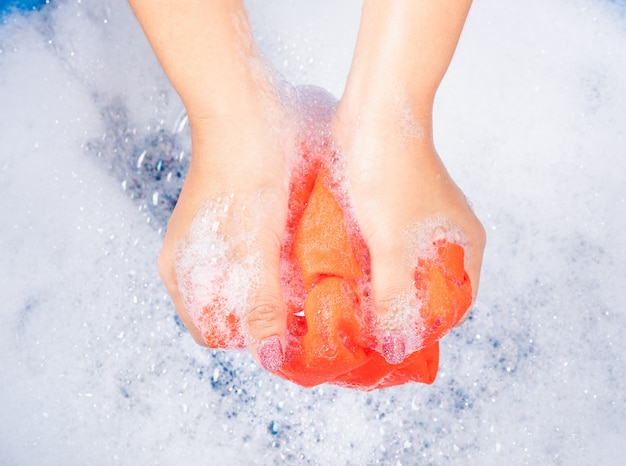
x=333, y=340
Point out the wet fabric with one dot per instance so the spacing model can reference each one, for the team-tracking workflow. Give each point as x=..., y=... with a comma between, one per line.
x=330, y=323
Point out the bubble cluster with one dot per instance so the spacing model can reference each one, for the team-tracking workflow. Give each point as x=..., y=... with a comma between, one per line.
x=218, y=265
x=423, y=236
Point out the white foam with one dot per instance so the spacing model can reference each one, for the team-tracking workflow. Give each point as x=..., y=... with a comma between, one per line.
x=423, y=237
x=529, y=122
x=218, y=265
x=402, y=316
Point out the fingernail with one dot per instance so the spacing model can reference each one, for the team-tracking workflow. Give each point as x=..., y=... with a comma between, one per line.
x=271, y=353
x=394, y=348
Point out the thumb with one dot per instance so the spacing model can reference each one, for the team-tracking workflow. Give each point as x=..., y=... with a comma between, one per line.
x=395, y=306
x=266, y=318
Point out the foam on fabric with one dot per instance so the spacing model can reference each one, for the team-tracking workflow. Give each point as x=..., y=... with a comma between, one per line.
x=96, y=369
x=334, y=334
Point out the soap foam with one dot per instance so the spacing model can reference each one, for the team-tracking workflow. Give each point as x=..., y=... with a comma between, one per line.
x=424, y=236
x=217, y=271
x=402, y=315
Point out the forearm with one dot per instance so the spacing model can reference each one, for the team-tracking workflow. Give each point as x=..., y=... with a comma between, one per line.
x=206, y=49
x=406, y=45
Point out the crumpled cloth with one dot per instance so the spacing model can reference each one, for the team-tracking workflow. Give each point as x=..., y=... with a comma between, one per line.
x=330, y=322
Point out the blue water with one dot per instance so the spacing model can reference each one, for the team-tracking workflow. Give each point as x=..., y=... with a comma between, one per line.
x=9, y=6
x=96, y=369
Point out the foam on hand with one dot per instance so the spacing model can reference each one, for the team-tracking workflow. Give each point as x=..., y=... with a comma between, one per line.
x=214, y=278
x=334, y=333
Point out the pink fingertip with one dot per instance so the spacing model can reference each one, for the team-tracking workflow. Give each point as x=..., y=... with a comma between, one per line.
x=271, y=353
x=394, y=348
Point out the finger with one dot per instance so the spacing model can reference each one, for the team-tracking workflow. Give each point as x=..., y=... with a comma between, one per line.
x=266, y=319
x=168, y=276
x=392, y=289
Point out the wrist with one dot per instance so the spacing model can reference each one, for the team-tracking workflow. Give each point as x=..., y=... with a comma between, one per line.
x=404, y=48
x=243, y=142
x=234, y=86
x=387, y=111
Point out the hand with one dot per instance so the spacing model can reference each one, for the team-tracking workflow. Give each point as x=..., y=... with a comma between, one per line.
x=238, y=168
x=403, y=200
x=235, y=196
x=397, y=183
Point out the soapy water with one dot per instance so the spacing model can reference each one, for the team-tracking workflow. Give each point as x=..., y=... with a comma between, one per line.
x=96, y=369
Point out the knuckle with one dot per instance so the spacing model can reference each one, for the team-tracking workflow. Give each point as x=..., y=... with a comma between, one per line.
x=263, y=312
x=264, y=315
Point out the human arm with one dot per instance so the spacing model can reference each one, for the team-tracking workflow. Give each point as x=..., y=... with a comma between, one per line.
x=207, y=50
x=396, y=180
